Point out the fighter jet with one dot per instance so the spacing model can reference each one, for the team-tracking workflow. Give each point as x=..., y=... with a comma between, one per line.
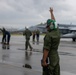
x=66, y=30
x=70, y=35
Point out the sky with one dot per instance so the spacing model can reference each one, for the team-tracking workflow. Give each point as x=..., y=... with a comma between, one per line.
x=21, y=13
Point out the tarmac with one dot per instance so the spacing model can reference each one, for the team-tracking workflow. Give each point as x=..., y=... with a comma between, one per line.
x=13, y=59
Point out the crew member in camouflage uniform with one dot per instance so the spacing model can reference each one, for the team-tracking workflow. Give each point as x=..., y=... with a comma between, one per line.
x=33, y=36
x=27, y=33
x=4, y=35
x=37, y=35
x=50, y=48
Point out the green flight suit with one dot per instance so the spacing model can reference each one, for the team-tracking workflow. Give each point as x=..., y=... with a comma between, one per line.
x=27, y=33
x=33, y=36
x=37, y=36
x=51, y=43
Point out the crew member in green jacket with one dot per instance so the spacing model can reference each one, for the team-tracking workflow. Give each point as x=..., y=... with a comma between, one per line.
x=27, y=33
x=50, y=48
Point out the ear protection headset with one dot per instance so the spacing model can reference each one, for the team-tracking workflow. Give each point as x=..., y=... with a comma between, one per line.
x=52, y=24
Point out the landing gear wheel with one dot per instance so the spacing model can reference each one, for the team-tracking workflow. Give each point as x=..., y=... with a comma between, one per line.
x=73, y=39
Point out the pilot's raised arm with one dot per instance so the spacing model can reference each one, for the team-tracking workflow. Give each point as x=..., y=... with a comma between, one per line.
x=52, y=15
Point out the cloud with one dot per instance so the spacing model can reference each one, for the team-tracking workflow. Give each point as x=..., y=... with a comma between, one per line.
x=32, y=12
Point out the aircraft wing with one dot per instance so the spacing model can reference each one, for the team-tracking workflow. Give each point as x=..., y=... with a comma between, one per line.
x=72, y=29
x=69, y=35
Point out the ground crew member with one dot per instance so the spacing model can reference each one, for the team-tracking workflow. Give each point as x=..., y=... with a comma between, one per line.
x=50, y=47
x=37, y=35
x=4, y=35
x=27, y=33
x=33, y=36
x=8, y=37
